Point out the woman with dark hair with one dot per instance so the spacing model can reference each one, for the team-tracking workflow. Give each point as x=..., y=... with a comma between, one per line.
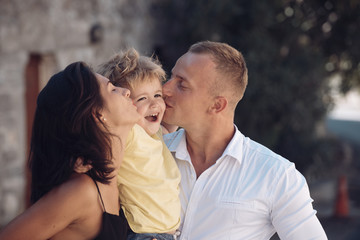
x=81, y=121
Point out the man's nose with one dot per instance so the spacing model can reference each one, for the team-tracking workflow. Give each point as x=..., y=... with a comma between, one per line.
x=167, y=88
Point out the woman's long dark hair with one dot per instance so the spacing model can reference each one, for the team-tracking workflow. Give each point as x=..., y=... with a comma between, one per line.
x=66, y=128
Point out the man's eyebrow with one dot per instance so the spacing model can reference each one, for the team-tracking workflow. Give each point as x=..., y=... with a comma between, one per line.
x=177, y=76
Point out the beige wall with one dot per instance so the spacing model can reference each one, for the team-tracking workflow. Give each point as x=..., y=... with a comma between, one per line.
x=58, y=31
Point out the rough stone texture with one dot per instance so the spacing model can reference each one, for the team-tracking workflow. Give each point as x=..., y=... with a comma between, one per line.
x=59, y=32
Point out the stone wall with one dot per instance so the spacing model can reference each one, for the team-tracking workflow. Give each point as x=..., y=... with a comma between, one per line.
x=58, y=31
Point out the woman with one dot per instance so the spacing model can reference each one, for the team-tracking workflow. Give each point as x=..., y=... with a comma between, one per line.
x=81, y=118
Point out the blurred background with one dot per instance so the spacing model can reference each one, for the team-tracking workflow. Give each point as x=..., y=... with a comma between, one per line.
x=302, y=101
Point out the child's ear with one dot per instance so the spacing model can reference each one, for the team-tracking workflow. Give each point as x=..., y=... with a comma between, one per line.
x=219, y=104
x=79, y=166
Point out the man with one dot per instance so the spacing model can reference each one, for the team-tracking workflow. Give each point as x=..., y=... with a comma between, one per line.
x=231, y=187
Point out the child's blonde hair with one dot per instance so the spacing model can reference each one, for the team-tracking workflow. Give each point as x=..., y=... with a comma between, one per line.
x=127, y=69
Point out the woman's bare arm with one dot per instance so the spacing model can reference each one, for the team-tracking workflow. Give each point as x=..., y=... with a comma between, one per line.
x=51, y=214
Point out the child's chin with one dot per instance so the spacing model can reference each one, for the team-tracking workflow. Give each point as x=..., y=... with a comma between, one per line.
x=153, y=130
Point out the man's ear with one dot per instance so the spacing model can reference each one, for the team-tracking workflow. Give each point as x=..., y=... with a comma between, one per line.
x=219, y=104
x=79, y=166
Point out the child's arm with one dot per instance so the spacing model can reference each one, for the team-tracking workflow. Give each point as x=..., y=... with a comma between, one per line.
x=168, y=128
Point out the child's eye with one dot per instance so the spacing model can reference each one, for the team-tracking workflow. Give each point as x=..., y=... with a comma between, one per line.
x=158, y=95
x=141, y=99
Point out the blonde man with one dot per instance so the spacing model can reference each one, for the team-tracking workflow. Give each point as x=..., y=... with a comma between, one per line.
x=231, y=187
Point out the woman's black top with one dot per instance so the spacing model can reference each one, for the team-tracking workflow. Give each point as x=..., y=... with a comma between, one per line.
x=113, y=226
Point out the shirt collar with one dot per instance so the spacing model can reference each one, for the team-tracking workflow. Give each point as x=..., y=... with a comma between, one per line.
x=235, y=147
x=176, y=142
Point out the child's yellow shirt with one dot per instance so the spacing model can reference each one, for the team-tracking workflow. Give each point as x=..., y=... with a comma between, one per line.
x=148, y=182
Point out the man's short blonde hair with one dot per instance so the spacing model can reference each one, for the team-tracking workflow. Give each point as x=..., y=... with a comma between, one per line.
x=230, y=66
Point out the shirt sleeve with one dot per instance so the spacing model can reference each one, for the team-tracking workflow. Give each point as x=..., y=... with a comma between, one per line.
x=292, y=213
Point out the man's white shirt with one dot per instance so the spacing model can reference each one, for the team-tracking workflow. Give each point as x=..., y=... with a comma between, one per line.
x=249, y=193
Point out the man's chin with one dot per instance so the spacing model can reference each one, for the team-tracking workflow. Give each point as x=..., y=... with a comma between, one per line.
x=167, y=119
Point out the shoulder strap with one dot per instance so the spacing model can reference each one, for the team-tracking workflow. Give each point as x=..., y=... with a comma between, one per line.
x=102, y=202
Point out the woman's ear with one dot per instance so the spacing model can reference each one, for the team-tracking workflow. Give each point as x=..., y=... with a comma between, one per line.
x=79, y=166
x=99, y=117
x=219, y=104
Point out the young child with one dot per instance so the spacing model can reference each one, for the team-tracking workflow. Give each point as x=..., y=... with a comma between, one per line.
x=149, y=178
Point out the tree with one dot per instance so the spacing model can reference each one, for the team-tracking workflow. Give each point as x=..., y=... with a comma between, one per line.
x=291, y=49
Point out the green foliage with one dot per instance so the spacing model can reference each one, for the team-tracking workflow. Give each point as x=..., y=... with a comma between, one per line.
x=334, y=27
x=291, y=48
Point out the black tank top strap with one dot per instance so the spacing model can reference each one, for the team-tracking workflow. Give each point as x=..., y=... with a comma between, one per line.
x=113, y=227
x=102, y=202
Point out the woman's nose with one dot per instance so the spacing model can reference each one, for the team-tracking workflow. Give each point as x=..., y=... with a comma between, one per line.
x=126, y=92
